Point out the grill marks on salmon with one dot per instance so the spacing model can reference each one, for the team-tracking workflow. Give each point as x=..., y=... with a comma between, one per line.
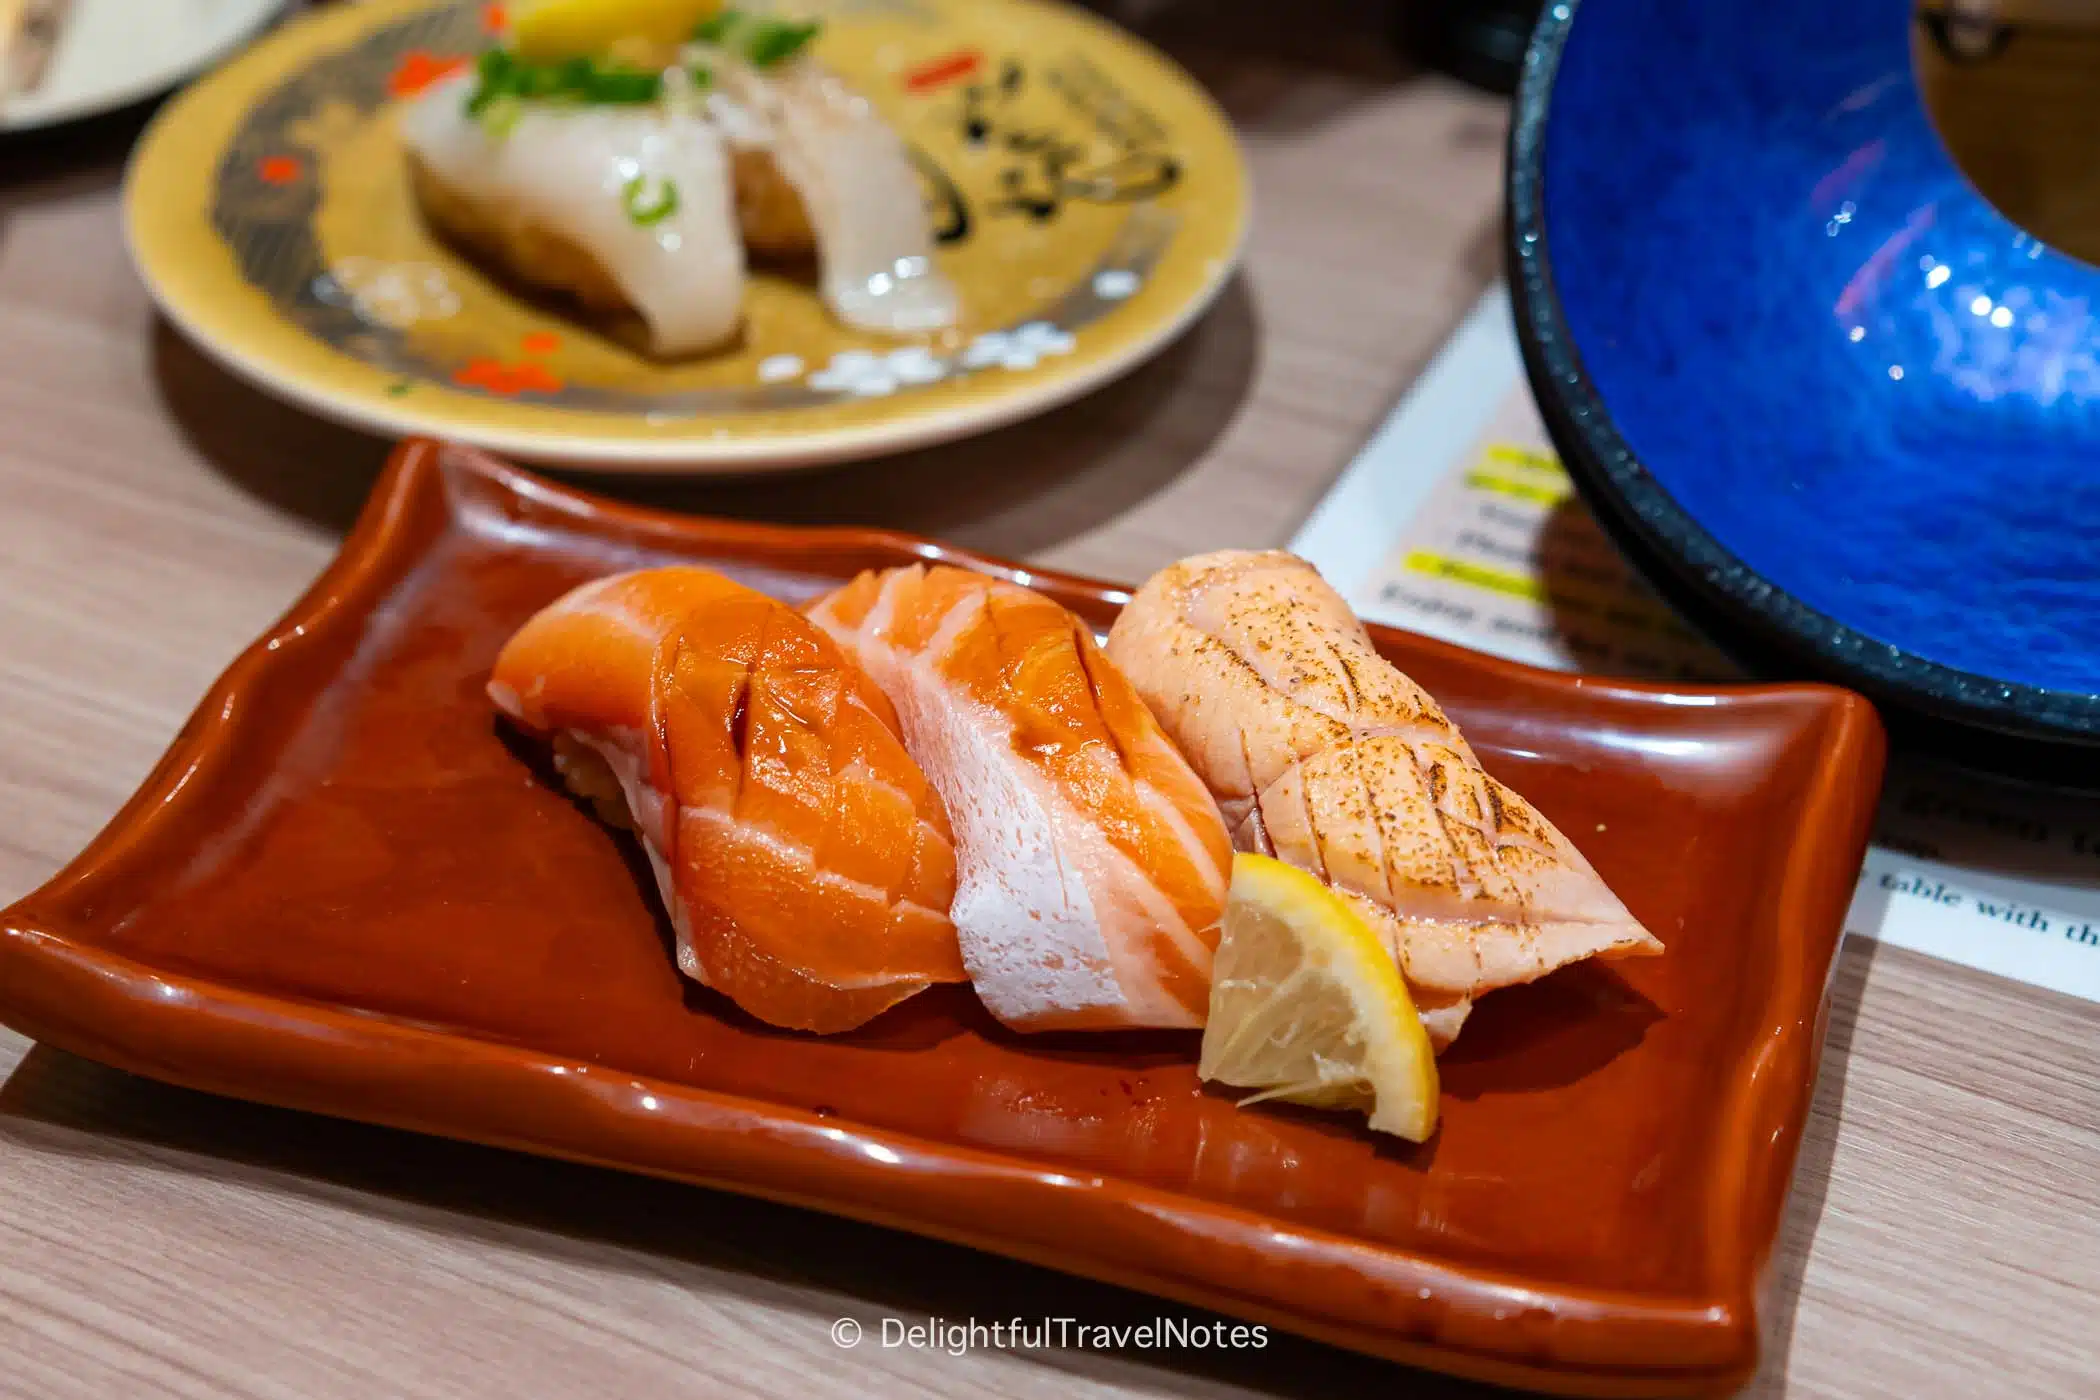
x=1092, y=864
x=807, y=864
x=1322, y=753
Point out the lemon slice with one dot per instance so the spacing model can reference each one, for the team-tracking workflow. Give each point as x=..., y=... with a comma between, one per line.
x=1306, y=1005
x=547, y=31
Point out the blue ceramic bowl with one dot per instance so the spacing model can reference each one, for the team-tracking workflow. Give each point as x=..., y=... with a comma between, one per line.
x=1836, y=405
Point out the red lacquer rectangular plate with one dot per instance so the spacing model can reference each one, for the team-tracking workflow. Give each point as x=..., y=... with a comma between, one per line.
x=348, y=889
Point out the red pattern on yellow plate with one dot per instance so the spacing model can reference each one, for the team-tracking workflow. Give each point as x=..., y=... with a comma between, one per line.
x=941, y=71
x=420, y=70
x=500, y=378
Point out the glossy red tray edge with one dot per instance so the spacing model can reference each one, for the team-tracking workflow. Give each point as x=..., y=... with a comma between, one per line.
x=1467, y=1322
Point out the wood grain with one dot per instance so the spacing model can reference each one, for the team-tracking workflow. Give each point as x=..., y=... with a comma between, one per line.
x=1944, y=1237
x=2020, y=124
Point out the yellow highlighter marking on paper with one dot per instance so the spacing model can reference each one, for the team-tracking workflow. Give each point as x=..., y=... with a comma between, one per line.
x=1507, y=454
x=1520, y=490
x=1422, y=561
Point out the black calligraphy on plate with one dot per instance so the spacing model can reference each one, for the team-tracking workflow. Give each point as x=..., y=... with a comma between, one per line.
x=1045, y=167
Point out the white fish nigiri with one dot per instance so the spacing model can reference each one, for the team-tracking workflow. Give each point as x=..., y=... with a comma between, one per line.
x=626, y=207
x=857, y=186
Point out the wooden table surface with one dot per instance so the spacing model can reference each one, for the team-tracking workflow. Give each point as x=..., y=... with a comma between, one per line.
x=1944, y=1237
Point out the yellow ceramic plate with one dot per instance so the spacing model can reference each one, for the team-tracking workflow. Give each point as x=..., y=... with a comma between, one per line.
x=1089, y=199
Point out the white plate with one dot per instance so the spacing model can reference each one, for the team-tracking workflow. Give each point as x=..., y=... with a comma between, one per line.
x=117, y=52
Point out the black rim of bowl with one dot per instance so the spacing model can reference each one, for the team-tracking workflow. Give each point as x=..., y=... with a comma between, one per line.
x=2006, y=725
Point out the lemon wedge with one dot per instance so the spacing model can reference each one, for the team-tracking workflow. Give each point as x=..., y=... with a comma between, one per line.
x=1306, y=1005
x=548, y=31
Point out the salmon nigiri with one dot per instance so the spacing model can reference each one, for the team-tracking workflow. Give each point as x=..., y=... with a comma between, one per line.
x=1091, y=864
x=807, y=864
x=1323, y=753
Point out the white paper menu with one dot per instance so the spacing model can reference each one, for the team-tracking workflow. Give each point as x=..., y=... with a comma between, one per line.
x=1456, y=520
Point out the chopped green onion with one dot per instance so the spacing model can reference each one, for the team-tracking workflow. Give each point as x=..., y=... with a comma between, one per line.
x=621, y=86
x=500, y=117
x=762, y=40
x=776, y=41
x=650, y=199
x=496, y=69
x=506, y=80
x=570, y=75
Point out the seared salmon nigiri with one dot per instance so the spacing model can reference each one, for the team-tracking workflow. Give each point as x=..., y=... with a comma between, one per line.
x=1324, y=754
x=806, y=863
x=1091, y=864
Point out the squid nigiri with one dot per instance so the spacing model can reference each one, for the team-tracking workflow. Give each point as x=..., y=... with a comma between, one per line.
x=629, y=208
x=807, y=865
x=596, y=156
x=1324, y=754
x=1091, y=863
x=801, y=130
